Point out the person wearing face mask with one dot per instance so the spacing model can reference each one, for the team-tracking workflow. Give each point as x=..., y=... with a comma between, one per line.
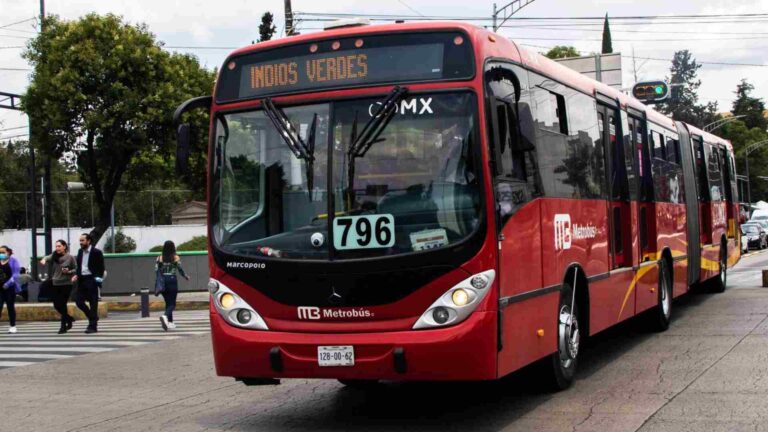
x=63, y=266
x=89, y=273
x=9, y=274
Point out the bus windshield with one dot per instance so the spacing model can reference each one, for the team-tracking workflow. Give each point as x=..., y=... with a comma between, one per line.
x=414, y=188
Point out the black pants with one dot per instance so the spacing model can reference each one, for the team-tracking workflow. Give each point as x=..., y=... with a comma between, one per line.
x=61, y=295
x=169, y=295
x=87, y=290
x=8, y=296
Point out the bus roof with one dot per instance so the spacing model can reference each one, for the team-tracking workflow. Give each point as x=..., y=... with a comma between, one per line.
x=490, y=45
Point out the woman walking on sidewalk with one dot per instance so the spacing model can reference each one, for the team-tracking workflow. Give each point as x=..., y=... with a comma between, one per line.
x=9, y=274
x=167, y=266
x=63, y=266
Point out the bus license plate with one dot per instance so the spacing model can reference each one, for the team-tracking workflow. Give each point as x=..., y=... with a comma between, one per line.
x=336, y=355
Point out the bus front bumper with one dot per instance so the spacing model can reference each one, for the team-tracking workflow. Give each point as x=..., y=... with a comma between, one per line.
x=466, y=351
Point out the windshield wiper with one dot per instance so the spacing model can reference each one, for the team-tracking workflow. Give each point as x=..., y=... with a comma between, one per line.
x=290, y=135
x=360, y=144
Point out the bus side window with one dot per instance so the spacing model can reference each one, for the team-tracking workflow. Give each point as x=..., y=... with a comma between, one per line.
x=511, y=142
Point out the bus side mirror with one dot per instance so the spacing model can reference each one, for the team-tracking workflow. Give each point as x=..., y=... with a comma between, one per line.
x=182, y=148
x=183, y=130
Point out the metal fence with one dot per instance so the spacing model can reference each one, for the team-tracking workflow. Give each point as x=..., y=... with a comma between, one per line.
x=77, y=208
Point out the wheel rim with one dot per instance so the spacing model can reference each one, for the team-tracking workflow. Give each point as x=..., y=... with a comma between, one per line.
x=666, y=298
x=723, y=269
x=568, y=337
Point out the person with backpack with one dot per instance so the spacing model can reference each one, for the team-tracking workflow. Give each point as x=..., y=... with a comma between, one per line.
x=9, y=287
x=167, y=266
x=63, y=266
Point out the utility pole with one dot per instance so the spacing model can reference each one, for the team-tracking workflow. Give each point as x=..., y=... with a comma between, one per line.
x=289, y=28
x=47, y=228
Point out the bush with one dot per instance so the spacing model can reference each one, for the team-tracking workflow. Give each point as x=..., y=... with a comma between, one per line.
x=123, y=243
x=158, y=248
x=198, y=243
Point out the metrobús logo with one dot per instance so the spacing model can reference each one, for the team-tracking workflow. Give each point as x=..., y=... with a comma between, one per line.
x=566, y=232
x=315, y=313
x=246, y=265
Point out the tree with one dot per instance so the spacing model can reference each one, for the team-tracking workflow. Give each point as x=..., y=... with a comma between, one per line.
x=562, y=51
x=267, y=29
x=106, y=90
x=123, y=243
x=683, y=104
x=753, y=108
x=607, y=44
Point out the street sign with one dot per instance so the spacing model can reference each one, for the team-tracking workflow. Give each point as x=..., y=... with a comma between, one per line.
x=651, y=91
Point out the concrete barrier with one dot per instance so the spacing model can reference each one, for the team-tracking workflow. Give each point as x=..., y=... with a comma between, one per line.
x=46, y=312
x=129, y=273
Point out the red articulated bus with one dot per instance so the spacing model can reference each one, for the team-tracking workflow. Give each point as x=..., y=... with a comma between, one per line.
x=430, y=201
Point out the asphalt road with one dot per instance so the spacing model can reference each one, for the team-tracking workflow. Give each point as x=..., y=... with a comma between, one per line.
x=708, y=372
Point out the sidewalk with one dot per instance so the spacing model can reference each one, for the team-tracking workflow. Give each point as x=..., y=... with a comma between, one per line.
x=184, y=301
x=44, y=311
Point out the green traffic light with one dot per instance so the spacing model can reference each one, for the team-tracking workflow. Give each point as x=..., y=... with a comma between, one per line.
x=659, y=90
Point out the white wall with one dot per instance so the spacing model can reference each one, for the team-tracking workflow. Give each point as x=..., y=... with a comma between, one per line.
x=145, y=237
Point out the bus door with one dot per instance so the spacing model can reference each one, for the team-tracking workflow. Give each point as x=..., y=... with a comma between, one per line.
x=619, y=220
x=705, y=212
x=729, y=184
x=645, y=194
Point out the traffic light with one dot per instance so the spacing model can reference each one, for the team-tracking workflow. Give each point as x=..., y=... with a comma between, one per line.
x=651, y=91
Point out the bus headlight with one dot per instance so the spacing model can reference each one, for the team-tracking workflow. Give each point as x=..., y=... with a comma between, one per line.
x=456, y=304
x=234, y=310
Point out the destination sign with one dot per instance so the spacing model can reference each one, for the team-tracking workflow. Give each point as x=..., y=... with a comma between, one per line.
x=346, y=62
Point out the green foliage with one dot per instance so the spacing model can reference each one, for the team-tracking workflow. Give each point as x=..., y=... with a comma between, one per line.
x=123, y=243
x=753, y=108
x=106, y=90
x=267, y=29
x=198, y=243
x=15, y=184
x=158, y=248
x=607, y=43
x=562, y=51
x=683, y=104
x=741, y=136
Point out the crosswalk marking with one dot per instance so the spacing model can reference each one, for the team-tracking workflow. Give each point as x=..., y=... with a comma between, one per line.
x=37, y=342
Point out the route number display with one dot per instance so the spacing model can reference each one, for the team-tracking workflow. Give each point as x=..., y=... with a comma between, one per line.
x=364, y=232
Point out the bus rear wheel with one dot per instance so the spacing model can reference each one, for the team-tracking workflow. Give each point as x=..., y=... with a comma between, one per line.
x=562, y=363
x=660, y=315
x=720, y=282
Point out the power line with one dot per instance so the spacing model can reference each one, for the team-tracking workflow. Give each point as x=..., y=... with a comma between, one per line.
x=667, y=60
x=637, y=40
x=601, y=18
x=18, y=22
x=412, y=9
x=15, y=69
x=202, y=47
x=537, y=27
x=10, y=47
x=13, y=128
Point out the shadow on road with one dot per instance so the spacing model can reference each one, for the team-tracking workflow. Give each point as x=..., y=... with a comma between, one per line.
x=442, y=406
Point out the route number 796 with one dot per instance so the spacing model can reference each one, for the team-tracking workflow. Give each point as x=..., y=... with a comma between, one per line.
x=364, y=232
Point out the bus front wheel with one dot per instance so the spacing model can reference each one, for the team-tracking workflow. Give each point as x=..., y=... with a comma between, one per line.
x=563, y=362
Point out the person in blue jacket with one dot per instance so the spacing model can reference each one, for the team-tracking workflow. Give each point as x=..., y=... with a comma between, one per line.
x=9, y=287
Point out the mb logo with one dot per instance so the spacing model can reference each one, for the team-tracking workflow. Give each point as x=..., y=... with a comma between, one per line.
x=563, y=236
x=309, y=312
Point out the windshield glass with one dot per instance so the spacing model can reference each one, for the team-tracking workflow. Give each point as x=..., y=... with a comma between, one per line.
x=752, y=229
x=413, y=188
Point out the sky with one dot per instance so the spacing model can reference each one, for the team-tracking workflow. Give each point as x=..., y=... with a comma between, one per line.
x=223, y=25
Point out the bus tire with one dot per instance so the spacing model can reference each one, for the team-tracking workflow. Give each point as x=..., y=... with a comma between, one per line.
x=720, y=282
x=359, y=384
x=660, y=315
x=562, y=363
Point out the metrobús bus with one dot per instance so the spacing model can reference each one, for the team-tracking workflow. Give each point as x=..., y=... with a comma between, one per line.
x=434, y=202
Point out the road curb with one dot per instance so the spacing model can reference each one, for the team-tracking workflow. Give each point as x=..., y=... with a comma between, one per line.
x=46, y=312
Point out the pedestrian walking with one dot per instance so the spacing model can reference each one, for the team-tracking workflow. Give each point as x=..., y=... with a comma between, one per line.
x=90, y=272
x=62, y=267
x=167, y=266
x=24, y=279
x=9, y=274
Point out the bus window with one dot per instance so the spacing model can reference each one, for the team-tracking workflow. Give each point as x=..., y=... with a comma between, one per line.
x=511, y=146
x=673, y=151
x=659, y=151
